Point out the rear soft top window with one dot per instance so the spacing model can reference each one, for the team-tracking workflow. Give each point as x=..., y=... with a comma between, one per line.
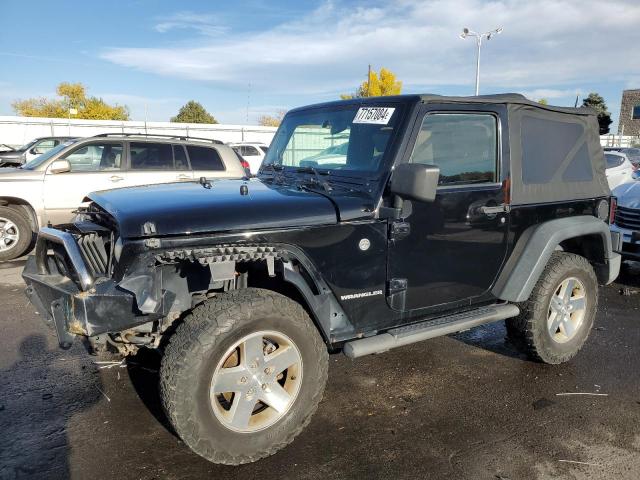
x=555, y=156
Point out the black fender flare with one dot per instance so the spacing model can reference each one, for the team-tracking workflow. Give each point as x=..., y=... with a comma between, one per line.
x=535, y=246
x=328, y=314
x=153, y=296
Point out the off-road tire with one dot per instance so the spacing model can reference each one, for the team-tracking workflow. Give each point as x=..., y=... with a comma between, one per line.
x=25, y=234
x=529, y=329
x=194, y=350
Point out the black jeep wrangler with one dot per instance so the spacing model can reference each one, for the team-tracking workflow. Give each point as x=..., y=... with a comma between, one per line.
x=373, y=223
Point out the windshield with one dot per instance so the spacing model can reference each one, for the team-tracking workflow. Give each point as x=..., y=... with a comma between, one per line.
x=27, y=146
x=39, y=160
x=342, y=139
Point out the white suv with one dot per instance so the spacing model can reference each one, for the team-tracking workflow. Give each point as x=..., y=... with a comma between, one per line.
x=253, y=153
x=49, y=188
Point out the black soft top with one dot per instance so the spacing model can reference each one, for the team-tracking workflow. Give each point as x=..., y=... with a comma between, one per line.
x=497, y=99
x=503, y=99
x=554, y=152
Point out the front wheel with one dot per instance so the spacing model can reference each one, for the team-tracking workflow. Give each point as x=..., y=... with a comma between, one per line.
x=555, y=322
x=15, y=234
x=242, y=375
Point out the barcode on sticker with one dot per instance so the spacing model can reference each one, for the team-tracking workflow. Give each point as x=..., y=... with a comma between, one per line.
x=376, y=115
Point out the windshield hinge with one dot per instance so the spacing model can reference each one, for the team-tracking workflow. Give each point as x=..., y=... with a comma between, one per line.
x=399, y=230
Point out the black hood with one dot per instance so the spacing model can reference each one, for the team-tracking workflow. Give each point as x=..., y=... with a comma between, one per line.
x=189, y=207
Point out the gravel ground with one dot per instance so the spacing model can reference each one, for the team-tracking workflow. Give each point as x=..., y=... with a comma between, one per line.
x=467, y=406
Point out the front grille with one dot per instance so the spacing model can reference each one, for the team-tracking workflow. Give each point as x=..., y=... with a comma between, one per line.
x=628, y=218
x=94, y=253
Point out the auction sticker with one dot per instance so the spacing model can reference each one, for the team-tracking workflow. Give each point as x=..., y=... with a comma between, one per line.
x=374, y=115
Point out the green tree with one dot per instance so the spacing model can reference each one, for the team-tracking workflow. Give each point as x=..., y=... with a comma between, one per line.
x=272, y=120
x=73, y=95
x=377, y=85
x=193, y=112
x=543, y=101
x=597, y=103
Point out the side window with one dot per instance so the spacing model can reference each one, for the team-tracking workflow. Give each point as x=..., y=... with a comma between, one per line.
x=464, y=146
x=204, y=158
x=249, y=151
x=151, y=156
x=95, y=157
x=180, y=158
x=635, y=113
x=44, y=145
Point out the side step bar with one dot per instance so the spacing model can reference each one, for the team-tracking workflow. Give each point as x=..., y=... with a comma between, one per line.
x=417, y=332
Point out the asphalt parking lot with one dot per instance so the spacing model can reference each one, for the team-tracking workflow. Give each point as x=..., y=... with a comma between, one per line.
x=461, y=407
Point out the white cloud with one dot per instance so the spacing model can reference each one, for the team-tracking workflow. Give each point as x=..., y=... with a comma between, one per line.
x=124, y=98
x=548, y=42
x=551, y=93
x=141, y=107
x=204, y=24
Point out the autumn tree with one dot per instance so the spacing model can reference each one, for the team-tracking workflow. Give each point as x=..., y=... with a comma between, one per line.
x=73, y=95
x=193, y=112
x=272, y=120
x=543, y=101
x=597, y=103
x=377, y=85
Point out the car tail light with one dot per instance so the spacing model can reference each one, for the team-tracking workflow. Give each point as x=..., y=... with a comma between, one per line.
x=612, y=210
x=244, y=163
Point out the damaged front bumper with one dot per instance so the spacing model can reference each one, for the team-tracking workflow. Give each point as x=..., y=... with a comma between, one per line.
x=88, y=307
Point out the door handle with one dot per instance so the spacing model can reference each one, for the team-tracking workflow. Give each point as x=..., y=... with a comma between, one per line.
x=184, y=177
x=493, y=210
x=115, y=178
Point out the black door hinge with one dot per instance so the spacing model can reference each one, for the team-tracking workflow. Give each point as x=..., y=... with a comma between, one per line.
x=398, y=230
x=397, y=293
x=396, y=285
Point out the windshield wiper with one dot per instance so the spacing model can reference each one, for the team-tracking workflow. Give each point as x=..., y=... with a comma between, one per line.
x=276, y=171
x=318, y=180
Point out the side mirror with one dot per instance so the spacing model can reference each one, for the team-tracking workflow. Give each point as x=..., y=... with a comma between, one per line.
x=35, y=151
x=60, y=166
x=415, y=181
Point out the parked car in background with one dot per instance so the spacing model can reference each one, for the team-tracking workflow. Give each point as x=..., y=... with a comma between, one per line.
x=334, y=155
x=51, y=187
x=252, y=152
x=627, y=219
x=244, y=163
x=619, y=169
x=632, y=153
x=29, y=151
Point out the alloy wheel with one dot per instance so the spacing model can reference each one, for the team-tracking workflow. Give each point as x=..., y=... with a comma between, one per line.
x=567, y=310
x=9, y=234
x=256, y=381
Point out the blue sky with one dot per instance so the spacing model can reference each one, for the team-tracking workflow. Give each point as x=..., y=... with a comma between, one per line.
x=271, y=56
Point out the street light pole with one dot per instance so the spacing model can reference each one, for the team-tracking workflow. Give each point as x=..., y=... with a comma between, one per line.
x=479, y=36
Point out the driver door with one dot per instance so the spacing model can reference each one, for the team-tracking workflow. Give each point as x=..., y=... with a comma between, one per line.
x=94, y=166
x=450, y=251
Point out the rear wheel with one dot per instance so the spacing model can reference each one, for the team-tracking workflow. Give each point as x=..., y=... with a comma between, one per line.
x=242, y=375
x=555, y=322
x=15, y=234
